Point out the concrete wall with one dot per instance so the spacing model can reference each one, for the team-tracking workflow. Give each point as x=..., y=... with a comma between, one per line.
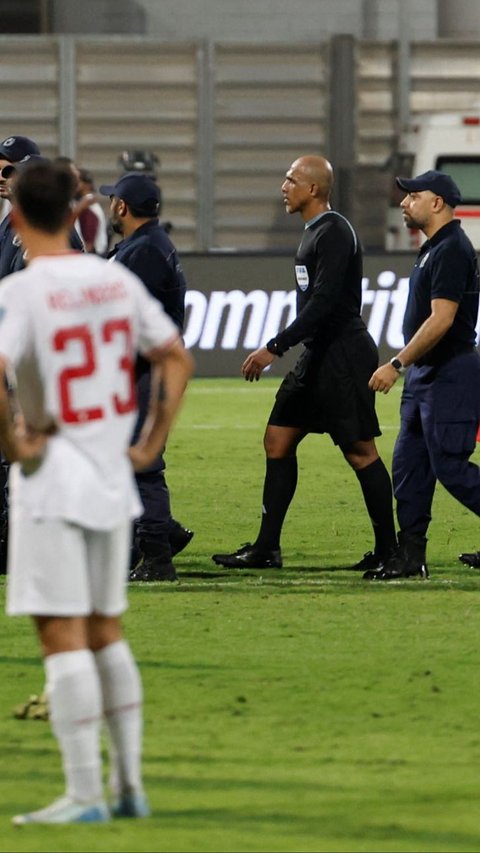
x=258, y=20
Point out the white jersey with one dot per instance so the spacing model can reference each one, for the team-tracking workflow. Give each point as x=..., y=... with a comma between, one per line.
x=71, y=326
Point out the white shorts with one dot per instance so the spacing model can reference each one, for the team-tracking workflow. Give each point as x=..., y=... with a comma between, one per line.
x=60, y=569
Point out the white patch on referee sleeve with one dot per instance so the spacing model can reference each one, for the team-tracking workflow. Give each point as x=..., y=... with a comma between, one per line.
x=301, y=275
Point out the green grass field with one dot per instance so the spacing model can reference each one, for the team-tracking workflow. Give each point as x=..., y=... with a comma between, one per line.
x=293, y=710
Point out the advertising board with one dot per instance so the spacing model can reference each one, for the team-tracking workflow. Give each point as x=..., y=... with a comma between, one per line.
x=237, y=302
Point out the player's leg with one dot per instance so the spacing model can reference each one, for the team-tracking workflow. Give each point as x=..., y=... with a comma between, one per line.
x=47, y=575
x=123, y=709
x=121, y=687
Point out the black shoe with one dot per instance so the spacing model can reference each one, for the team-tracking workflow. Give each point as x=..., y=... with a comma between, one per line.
x=395, y=568
x=250, y=557
x=179, y=537
x=370, y=562
x=472, y=560
x=152, y=569
x=407, y=561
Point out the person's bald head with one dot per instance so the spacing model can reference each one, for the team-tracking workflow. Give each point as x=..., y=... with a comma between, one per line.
x=318, y=171
x=307, y=186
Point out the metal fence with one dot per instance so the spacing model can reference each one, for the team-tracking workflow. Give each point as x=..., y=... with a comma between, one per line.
x=226, y=120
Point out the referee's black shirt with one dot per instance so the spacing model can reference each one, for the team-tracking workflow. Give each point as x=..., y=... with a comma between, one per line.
x=328, y=272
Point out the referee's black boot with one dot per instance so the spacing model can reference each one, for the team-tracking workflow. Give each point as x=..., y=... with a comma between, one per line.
x=155, y=563
x=250, y=557
x=407, y=562
x=472, y=560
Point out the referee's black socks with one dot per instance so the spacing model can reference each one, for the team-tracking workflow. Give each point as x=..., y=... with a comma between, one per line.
x=377, y=494
x=278, y=490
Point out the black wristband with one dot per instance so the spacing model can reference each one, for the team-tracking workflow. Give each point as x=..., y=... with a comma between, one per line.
x=273, y=347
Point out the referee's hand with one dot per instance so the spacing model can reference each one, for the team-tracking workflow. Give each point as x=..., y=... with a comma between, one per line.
x=255, y=363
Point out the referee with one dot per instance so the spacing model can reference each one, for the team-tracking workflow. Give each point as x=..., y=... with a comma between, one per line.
x=327, y=391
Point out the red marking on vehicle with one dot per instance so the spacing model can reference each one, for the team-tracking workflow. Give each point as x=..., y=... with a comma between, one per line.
x=472, y=214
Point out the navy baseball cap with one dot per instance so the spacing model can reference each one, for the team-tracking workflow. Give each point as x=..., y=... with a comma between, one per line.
x=437, y=182
x=135, y=188
x=16, y=148
x=10, y=170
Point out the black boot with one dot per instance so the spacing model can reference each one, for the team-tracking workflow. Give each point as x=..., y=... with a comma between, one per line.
x=155, y=563
x=407, y=562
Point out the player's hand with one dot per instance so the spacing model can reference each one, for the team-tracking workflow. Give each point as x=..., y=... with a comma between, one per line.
x=384, y=378
x=30, y=446
x=255, y=363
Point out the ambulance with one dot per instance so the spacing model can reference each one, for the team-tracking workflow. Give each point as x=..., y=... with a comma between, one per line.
x=449, y=142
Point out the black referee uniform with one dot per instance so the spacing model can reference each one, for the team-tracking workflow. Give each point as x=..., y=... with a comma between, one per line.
x=327, y=391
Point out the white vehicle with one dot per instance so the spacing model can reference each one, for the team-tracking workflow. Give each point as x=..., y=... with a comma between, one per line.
x=449, y=142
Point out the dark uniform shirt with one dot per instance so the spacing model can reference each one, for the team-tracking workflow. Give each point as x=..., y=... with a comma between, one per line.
x=9, y=247
x=11, y=251
x=151, y=255
x=446, y=268
x=328, y=272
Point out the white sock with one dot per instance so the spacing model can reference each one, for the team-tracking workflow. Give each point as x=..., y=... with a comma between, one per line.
x=122, y=704
x=74, y=696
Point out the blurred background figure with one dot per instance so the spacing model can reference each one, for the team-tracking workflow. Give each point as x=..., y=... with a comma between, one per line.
x=91, y=222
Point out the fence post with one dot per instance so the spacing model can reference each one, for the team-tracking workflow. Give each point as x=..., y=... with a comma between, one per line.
x=67, y=97
x=205, y=146
x=342, y=124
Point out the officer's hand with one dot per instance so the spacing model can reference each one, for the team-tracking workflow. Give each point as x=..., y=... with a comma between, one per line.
x=256, y=362
x=384, y=378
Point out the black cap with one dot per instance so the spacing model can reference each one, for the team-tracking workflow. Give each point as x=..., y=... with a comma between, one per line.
x=10, y=170
x=437, y=182
x=16, y=148
x=135, y=188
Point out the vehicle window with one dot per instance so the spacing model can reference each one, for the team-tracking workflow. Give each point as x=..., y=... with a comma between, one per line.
x=465, y=171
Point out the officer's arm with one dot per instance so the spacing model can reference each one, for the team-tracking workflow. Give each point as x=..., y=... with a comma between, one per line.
x=424, y=339
x=430, y=332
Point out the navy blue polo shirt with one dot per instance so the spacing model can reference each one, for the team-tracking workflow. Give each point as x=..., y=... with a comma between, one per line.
x=9, y=248
x=151, y=255
x=446, y=268
x=11, y=252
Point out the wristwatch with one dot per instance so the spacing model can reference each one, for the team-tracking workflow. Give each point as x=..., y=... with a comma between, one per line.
x=397, y=364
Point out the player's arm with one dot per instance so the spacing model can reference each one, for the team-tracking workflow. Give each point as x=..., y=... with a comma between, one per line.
x=171, y=370
x=432, y=331
x=18, y=442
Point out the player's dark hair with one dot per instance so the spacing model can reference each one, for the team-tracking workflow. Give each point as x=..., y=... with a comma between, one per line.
x=44, y=193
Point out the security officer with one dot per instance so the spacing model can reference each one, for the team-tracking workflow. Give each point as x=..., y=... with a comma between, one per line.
x=440, y=408
x=13, y=149
x=148, y=251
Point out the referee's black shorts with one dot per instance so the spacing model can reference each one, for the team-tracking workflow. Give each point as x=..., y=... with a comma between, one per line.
x=328, y=391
